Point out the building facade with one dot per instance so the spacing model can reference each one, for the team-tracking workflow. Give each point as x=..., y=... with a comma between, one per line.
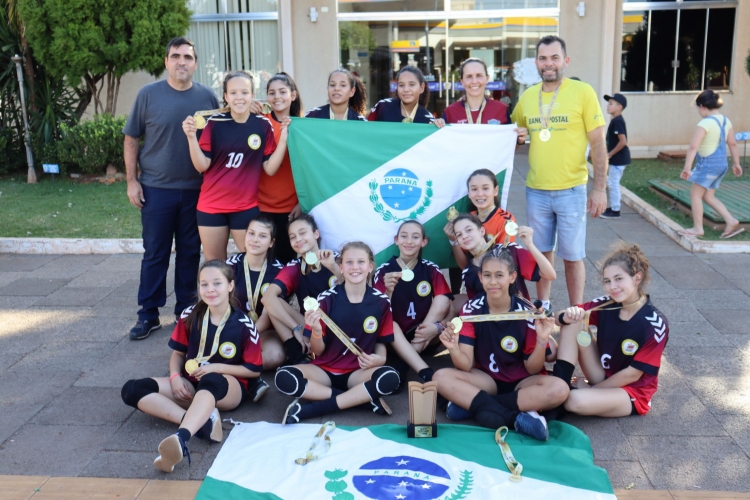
x=660, y=54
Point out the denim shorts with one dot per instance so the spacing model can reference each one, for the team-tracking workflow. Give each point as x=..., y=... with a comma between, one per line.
x=558, y=217
x=709, y=172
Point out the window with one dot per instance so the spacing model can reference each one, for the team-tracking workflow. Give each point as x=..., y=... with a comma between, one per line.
x=235, y=35
x=501, y=4
x=346, y=6
x=685, y=46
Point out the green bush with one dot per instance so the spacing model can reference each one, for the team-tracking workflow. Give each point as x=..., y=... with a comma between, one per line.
x=93, y=144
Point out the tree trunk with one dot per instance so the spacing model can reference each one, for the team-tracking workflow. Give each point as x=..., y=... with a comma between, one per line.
x=117, y=93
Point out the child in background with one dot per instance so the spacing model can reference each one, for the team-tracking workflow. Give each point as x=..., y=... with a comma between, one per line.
x=619, y=153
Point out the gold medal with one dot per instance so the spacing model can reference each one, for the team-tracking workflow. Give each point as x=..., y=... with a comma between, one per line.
x=254, y=316
x=457, y=324
x=311, y=258
x=310, y=304
x=407, y=274
x=200, y=122
x=190, y=366
x=407, y=120
x=267, y=108
x=452, y=213
x=545, y=134
x=200, y=117
x=511, y=228
x=584, y=339
x=252, y=296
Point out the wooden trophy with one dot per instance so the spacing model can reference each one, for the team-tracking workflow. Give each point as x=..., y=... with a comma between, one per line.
x=422, y=404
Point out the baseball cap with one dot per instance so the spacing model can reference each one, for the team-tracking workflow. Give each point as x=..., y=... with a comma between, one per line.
x=619, y=98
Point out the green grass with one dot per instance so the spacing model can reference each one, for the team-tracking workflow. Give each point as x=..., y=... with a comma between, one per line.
x=640, y=172
x=66, y=209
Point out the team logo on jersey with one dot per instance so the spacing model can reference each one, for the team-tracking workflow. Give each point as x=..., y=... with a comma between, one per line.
x=424, y=288
x=629, y=347
x=401, y=191
x=370, y=325
x=509, y=344
x=227, y=350
x=254, y=141
x=264, y=288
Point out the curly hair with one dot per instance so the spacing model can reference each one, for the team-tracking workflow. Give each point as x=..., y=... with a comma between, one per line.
x=631, y=259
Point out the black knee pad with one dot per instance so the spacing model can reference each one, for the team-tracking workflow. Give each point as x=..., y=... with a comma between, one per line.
x=215, y=383
x=384, y=381
x=135, y=390
x=290, y=381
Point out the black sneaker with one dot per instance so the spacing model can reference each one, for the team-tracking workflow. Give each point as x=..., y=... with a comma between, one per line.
x=291, y=415
x=257, y=391
x=610, y=214
x=143, y=329
x=211, y=430
x=380, y=407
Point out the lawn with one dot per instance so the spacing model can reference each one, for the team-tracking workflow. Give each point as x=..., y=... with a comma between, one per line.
x=640, y=172
x=66, y=209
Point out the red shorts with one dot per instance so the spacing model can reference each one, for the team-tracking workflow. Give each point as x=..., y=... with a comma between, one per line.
x=640, y=397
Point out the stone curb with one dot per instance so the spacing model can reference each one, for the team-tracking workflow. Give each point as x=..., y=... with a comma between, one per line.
x=76, y=246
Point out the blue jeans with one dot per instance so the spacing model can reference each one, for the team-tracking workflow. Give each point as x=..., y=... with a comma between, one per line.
x=558, y=218
x=613, y=184
x=167, y=214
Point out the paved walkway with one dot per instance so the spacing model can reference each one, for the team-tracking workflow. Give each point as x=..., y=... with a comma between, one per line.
x=65, y=354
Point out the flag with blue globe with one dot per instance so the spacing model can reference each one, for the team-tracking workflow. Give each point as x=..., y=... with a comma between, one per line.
x=400, y=189
x=402, y=478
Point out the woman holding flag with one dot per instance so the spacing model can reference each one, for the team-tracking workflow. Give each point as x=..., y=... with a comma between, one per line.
x=408, y=104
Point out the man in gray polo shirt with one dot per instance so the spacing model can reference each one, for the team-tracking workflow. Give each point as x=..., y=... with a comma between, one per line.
x=166, y=191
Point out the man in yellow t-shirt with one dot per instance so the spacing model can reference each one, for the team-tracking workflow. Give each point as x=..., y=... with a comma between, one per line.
x=562, y=117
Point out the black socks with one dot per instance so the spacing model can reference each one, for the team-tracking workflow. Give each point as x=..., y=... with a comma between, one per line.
x=490, y=413
x=184, y=434
x=563, y=370
x=294, y=352
x=509, y=400
x=426, y=374
x=319, y=408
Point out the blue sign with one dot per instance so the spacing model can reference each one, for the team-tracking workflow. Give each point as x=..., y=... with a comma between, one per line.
x=51, y=168
x=436, y=86
x=490, y=86
x=742, y=136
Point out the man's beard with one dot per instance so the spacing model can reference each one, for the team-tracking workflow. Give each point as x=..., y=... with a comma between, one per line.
x=558, y=75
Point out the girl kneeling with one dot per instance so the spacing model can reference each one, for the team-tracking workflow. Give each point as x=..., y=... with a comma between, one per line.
x=216, y=330
x=499, y=364
x=622, y=364
x=336, y=378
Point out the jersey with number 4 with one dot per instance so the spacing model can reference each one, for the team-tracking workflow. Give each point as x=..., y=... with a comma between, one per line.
x=237, y=152
x=411, y=300
x=240, y=281
x=366, y=324
x=239, y=342
x=500, y=347
x=638, y=342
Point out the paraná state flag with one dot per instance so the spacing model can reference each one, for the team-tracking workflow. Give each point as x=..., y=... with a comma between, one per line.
x=361, y=180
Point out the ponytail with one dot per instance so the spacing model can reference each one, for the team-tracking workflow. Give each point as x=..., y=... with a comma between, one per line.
x=357, y=102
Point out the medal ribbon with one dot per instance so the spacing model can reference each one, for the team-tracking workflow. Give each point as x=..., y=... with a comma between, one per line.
x=469, y=119
x=409, y=118
x=343, y=337
x=411, y=265
x=324, y=433
x=514, y=466
x=252, y=297
x=545, y=119
x=486, y=247
x=332, y=115
x=587, y=316
x=200, y=358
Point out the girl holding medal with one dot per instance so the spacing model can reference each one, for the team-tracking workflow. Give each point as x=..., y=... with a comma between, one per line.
x=420, y=297
x=233, y=150
x=255, y=270
x=348, y=326
x=347, y=98
x=499, y=375
x=277, y=197
x=222, y=350
x=474, y=107
x=309, y=275
x=621, y=364
x=408, y=105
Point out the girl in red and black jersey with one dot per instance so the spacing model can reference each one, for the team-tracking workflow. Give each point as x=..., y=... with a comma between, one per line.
x=222, y=349
x=499, y=364
x=420, y=297
x=408, y=105
x=337, y=378
x=474, y=107
x=254, y=272
x=347, y=98
x=622, y=364
x=277, y=197
x=233, y=150
x=303, y=280
x=472, y=238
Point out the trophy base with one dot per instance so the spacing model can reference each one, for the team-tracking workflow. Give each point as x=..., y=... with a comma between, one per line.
x=421, y=431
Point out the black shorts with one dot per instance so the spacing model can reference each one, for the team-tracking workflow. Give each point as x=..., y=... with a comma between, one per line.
x=505, y=387
x=232, y=220
x=339, y=381
x=244, y=393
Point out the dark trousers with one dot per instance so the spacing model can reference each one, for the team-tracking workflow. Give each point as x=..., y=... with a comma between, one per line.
x=167, y=214
x=282, y=249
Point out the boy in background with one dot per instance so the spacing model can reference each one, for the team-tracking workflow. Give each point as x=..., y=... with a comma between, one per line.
x=619, y=153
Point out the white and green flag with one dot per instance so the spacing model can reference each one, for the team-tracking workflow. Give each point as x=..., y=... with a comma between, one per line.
x=257, y=462
x=361, y=180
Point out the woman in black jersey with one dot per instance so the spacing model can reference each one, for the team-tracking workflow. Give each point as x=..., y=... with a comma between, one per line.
x=408, y=104
x=347, y=98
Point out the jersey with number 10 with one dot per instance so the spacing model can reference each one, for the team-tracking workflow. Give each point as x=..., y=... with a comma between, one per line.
x=237, y=152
